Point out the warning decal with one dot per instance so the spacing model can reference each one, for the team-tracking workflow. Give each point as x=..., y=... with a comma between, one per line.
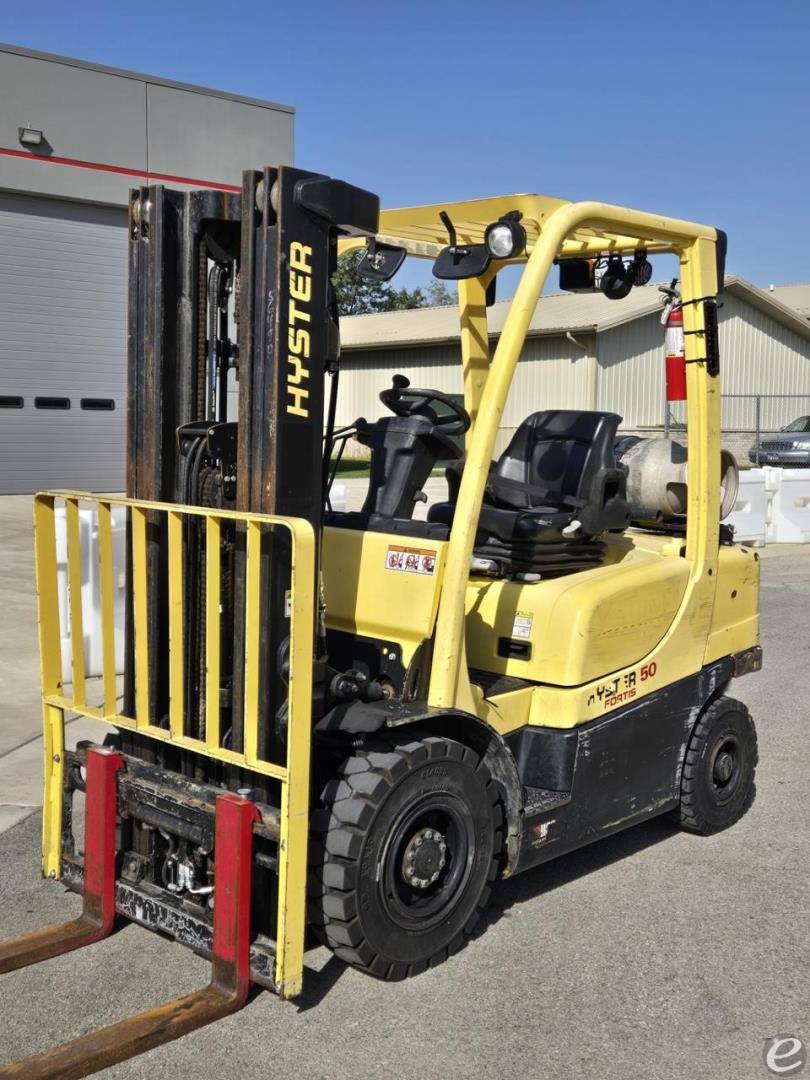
x=410, y=560
x=522, y=626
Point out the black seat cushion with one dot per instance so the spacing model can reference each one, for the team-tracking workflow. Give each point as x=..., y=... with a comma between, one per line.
x=559, y=468
x=542, y=523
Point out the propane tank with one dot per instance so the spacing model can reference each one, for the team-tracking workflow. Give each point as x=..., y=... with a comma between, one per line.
x=657, y=479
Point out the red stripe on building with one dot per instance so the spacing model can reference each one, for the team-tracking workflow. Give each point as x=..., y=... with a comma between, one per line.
x=119, y=170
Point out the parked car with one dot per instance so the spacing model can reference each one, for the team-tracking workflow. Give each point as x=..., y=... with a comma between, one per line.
x=789, y=447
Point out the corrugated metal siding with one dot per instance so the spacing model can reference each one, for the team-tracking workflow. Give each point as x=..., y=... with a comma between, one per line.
x=631, y=371
x=63, y=270
x=364, y=374
x=758, y=355
x=761, y=356
x=552, y=374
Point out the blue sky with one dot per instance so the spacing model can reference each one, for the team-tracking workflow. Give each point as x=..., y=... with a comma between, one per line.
x=700, y=110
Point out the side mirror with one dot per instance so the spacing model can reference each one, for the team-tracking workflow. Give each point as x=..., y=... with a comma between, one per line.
x=458, y=261
x=380, y=261
x=455, y=263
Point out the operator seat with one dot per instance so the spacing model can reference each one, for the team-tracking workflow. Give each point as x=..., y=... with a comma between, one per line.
x=553, y=490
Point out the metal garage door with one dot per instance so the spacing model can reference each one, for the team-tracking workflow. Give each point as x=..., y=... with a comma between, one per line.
x=63, y=270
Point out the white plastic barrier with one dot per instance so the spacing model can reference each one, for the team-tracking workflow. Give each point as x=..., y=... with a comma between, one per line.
x=752, y=509
x=772, y=507
x=791, y=507
x=91, y=588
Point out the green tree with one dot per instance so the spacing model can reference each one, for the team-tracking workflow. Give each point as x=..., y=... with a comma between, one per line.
x=357, y=296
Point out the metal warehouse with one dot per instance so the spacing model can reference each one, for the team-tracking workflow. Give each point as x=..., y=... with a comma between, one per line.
x=585, y=351
x=74, y=138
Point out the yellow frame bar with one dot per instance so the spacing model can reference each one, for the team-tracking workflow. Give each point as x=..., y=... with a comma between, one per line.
x=50, y=659
x=74, y=551
x=212, y=633
x=176, y=695
x=107, y=577
x=140, y=609
x=253, y=621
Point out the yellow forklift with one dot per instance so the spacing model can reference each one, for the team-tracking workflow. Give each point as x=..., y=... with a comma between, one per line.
x=345, y=727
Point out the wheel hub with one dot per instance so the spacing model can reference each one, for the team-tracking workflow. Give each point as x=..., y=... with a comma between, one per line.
x=424, y=858
x=723, y=767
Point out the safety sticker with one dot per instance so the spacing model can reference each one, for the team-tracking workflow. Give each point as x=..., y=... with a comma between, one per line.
x=522, y=626
x=287, y=603
x=410, y=560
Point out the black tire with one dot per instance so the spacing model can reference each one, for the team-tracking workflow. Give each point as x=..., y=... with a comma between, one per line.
x=403, y=852
x=717, y=781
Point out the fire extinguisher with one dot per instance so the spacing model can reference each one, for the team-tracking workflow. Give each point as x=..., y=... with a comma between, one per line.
x=674, y=355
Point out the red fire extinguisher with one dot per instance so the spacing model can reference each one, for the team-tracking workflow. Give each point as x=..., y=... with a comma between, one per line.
x=674, y=356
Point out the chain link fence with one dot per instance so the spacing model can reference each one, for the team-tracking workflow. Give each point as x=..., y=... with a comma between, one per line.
x=745, y=419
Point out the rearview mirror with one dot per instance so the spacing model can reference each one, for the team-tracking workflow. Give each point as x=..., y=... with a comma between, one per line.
x=455, y=263
x=380, y=261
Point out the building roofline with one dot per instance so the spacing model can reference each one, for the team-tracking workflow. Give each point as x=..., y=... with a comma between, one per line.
x=767, y=303
x=737, y=286
x=154, y=80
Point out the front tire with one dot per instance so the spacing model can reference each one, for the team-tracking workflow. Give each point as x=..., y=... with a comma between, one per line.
x=717, y=781
x=404, y=850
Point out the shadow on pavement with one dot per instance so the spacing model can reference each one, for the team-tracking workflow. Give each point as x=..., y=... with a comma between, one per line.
x=517, y=890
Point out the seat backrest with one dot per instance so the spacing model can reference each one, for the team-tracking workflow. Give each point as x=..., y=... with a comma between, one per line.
x=563, y=450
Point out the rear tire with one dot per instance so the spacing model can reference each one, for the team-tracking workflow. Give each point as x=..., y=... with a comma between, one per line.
x=404, y=850
x=717, y=781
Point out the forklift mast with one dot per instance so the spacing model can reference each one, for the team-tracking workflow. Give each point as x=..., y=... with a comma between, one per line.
x=202, y=264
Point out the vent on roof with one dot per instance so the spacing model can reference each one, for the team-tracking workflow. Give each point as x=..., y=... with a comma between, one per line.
x=9, y=401
x=51, y=403
x=98, y=404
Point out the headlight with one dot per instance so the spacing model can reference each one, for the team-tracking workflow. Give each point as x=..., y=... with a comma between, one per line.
x=801, y=445
x=506, y=238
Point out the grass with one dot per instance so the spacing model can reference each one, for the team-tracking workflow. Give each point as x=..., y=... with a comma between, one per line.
x=353, y=467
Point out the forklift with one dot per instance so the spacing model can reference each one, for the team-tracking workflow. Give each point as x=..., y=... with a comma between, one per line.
x=345, y=727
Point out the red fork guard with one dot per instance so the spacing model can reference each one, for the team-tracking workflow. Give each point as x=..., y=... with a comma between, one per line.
x=230, y=975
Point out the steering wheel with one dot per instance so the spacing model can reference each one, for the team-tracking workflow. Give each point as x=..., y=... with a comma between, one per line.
x=405, y=400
